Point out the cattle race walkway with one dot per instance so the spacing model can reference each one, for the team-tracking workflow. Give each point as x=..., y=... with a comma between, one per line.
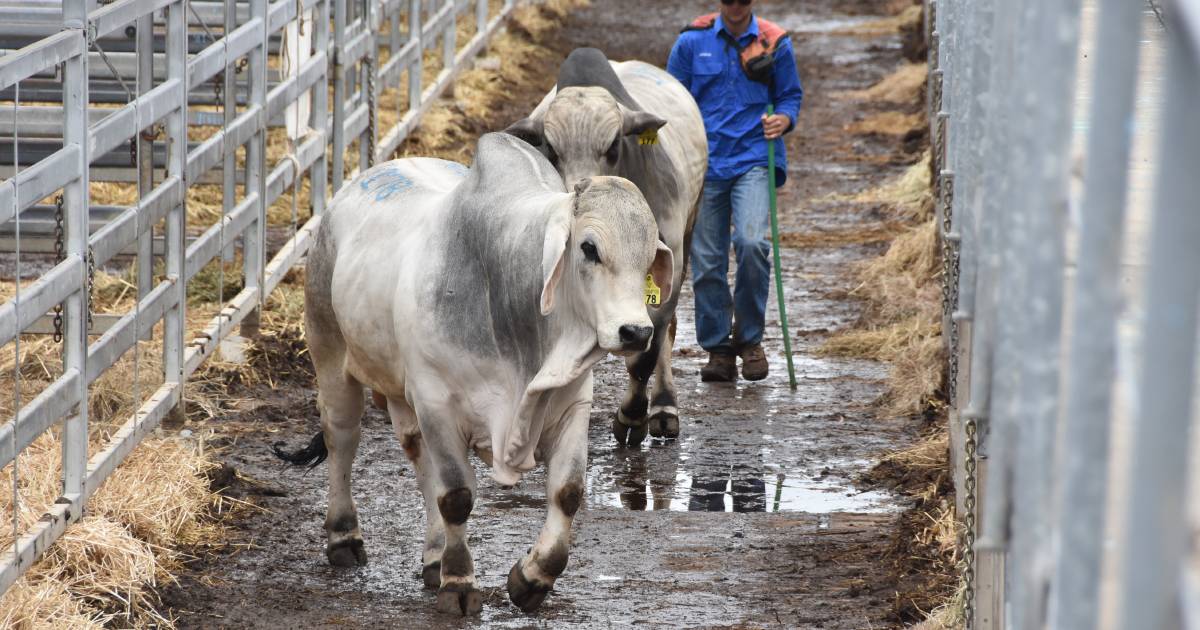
x=751, y=519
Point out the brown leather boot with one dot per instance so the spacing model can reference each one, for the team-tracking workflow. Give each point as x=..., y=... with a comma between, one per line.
x=721, y=368
x=754, y=363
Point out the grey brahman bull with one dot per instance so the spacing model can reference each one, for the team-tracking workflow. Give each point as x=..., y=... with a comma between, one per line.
x=476, y=303
x=635, y=121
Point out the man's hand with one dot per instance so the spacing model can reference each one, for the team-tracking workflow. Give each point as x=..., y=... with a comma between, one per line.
x=775, y=125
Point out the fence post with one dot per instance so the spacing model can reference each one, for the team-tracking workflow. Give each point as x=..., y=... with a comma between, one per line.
x=1090, y=354
x=175, y=246
x=481, y=16
x=75, y=209
x=1151, y=536
x=254, y=237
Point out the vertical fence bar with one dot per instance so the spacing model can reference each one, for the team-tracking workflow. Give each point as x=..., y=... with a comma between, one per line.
x=339, y=93
x=481, y=15
x=145, y=154
x=992, y=361
x=175, y=246
x=1151, y=537
x=319, y=175
x=418, y=63
x=229, y=109
x=75, y=209
x=1096, y=302
x=1047, y=64
x=254, y=242
x=449, y=37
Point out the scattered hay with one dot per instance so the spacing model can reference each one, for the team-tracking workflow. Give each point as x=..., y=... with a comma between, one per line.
x=888, y=124
x=101, y=572
x=874, y=233
x=905, y=86
x=908, y=195
x=907, y=19
x=912, y=347
x=519, y=60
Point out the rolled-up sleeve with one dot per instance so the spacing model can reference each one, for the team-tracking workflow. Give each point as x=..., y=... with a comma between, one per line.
x=680, y=62
x=787, y=93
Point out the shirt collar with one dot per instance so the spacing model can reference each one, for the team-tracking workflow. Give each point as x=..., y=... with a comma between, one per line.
x=751, y=30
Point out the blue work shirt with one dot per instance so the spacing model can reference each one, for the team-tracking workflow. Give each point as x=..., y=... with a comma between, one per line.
x=733, y=105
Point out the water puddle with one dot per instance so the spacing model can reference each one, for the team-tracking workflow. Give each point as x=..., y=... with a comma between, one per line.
x=643, y=481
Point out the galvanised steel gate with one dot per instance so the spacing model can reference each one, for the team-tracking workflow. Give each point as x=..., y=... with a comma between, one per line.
x=1072, y=356
x=80, y=81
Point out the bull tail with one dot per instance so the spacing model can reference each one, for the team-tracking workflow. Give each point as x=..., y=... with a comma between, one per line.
x=310, y=456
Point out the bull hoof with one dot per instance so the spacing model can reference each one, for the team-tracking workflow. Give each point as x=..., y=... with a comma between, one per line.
x=627, y=435
x=432, y=575
x=527, y=595
x=348, y=552
x=664, y=425
x=459, y=599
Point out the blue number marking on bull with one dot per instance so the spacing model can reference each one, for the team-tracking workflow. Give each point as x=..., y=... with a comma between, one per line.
x=459, y=169
x=386, y=183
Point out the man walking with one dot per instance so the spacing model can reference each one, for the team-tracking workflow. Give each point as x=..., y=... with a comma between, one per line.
x=736, y=63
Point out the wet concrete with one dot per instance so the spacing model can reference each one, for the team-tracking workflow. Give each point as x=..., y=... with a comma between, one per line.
x=751, y=519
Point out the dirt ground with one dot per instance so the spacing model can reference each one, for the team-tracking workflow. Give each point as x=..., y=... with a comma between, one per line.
x=751, y=519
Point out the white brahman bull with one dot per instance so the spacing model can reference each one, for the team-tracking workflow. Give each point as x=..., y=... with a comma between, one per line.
x=635, y=121
x=476, y=302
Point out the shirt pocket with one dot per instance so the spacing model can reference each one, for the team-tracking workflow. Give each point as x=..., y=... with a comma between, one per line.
x=751, y=92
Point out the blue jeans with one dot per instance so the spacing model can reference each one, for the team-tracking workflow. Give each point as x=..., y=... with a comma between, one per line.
x=743, y=204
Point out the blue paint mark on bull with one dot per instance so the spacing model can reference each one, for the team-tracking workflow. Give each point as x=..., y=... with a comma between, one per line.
x=456, y=168
x=643, y=72
x=386, y=183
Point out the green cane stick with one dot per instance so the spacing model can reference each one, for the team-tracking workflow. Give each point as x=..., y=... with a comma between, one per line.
x=787, y=340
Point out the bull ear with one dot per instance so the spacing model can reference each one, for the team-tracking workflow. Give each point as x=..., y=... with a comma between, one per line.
x=528, y=129
x=663, y=270
x=554, y=259
x=635, y=123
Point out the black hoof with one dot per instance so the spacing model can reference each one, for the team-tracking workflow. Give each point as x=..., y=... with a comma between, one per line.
x=664, y=425
x=459, y=599
x=348, y=552
x=628, y=435
x=528, y=596
x=432, y=575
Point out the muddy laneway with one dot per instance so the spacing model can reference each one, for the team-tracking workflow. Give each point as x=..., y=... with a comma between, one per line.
x=751, y=519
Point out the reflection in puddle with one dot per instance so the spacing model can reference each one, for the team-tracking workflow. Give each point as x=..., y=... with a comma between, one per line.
x=631, y=484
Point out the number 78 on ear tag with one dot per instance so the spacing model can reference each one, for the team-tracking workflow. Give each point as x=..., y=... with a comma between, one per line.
x=653, y=292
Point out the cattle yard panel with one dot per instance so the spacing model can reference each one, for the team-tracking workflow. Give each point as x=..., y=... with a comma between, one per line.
x=1035, y=319
x=82, y=84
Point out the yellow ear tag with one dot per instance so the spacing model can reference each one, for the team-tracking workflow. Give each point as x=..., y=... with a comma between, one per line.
x=648, y=137
x=653, y=292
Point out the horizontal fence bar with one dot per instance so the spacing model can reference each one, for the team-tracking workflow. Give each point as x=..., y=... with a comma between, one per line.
x=107, y=350
x=133, y=118
x=51, y=404
x=120, y=233
x=40, y=55
x=39, y=181
x=39, y=296
x=121, y=13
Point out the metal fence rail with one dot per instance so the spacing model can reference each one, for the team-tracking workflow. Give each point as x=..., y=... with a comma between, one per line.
x=1065, y=527
x=275, y=63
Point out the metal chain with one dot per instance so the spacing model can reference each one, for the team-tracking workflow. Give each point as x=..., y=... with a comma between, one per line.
x=91, y=284
x=969, y=502
x=60, y=254
x=369, y=62
x=950, y=268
